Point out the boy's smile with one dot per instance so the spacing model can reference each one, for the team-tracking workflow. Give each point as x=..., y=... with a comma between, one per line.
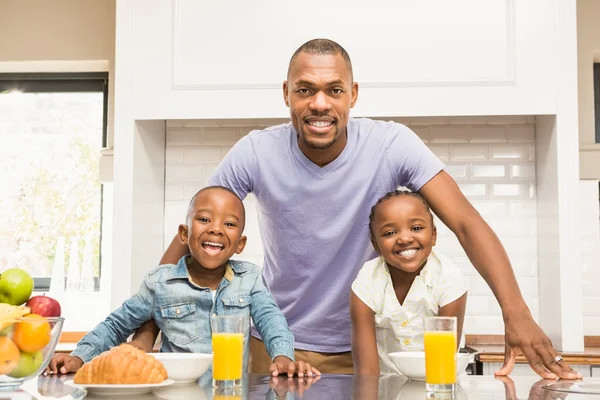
x=215, y=223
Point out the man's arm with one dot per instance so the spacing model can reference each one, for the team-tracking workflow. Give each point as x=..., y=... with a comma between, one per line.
x=175, y=251
x=487, y=254
x=145, y=336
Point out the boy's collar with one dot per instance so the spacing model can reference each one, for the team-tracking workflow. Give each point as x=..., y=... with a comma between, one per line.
x=181, y=271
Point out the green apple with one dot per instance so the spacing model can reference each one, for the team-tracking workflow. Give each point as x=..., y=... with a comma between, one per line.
x=16, y=286
x=28, y=364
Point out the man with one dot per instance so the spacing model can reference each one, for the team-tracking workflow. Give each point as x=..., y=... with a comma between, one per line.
x=316, y=180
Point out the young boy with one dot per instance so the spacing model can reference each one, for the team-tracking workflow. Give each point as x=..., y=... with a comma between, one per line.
x=182, y=298
x=395, y=291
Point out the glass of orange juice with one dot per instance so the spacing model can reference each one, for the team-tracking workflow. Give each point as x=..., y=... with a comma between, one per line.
x=228, y=349
x=440, y=354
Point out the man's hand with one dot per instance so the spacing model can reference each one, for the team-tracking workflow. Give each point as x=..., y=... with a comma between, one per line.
x=282, y=365
x=63, y=363
x=522, y=333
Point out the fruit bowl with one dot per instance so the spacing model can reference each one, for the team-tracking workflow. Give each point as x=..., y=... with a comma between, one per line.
x=26, y=346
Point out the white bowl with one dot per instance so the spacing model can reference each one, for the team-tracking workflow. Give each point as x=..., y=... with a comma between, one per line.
x=412, y=363
x=184, y=367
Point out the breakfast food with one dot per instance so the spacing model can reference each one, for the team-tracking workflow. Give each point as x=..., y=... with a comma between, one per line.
x=124, y=364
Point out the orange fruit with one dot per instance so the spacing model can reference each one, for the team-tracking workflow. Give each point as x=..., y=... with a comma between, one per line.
x=32, y=333
x=9, y=355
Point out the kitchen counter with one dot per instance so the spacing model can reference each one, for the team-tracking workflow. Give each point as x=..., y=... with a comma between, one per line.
x=327, y=387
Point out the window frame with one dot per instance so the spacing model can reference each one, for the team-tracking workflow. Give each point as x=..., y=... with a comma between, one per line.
x=63, y=82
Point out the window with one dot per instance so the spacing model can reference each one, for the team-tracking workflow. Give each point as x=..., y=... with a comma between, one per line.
x=597, y=99
x=52, y=127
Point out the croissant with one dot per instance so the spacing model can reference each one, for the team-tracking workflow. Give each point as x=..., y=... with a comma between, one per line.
x=124, y=364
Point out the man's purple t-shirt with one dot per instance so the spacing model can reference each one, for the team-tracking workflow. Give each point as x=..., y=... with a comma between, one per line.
x=314, y=221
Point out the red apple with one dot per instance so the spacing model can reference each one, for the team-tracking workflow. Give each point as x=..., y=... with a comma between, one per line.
x=44, y=306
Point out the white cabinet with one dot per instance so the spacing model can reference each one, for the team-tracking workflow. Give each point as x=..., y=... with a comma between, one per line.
x=200, y=59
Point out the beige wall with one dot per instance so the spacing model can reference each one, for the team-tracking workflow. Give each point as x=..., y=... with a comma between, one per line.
x=588, y=43
x=46, y=30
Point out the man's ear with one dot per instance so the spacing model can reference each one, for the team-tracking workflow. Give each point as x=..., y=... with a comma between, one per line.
x=354, y=94
x=183, y=233
x=285, y=94
x=241, y=244
x=434, y=235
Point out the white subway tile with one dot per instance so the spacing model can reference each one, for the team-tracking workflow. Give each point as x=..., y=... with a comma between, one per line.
x=449, y=134
x=488, y=171
x=487, y=134
x=440, y=150
x=184, y=173
x=521, y=133
x=428, y=121
x=173, y=192
x=190, y=189
x=510, y=190
x=489, y=208
x=520, y=247
x=484, y=324
x=207, y=171
x=522, y=171
x=183, y=136
x=193, y=123
x=483, y=305
x=457, y=171
x=174, y=155
x=512, y=227
x=508, y=152
x=506, y=119
x=468, y=152
x=473, y=189
x=591, y=325
x=591, y=306
x=525, y=266
x=523, y=208
x=467, y=120
x=202, y=155
x=225, y=150
x=266, y=122
x=479, y=287
x=174, y=215
x=240, y=123
x=218, y=136
x=422, y=132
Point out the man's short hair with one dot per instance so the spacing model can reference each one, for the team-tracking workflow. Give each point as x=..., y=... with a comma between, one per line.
x=322, y=47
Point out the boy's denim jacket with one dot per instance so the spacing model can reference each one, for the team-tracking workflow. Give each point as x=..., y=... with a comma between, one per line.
x=182, y=310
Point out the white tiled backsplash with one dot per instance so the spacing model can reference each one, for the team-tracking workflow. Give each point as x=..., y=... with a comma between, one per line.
x=491, y=158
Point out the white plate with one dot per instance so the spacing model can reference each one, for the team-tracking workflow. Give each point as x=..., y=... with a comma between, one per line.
x=119, y=390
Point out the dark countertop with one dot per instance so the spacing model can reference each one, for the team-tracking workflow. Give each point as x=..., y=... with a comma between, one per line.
x=327, y=387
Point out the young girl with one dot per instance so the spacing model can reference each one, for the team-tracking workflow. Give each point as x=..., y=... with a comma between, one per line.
x=394, y=292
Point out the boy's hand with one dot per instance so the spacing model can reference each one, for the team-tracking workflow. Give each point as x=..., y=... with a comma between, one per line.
x=63, y=363
x=283, y=365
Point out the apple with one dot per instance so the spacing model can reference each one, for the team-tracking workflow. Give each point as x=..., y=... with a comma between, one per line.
x=44, y=306
x=16, y=286
x=28, y=364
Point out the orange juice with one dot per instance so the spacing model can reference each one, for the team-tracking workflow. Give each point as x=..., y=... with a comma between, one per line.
x=228, y=353
x=440, y=357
